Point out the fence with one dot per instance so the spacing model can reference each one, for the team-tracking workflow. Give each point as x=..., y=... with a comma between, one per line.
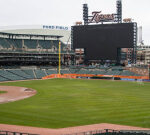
x=14, y=133
x=114, y=132
x=96, y=132
x=91, y=75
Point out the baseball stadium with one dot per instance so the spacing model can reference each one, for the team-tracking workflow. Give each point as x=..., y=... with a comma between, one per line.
x=78, y=80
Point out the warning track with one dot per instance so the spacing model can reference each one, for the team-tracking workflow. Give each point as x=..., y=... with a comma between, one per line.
x=69, y=130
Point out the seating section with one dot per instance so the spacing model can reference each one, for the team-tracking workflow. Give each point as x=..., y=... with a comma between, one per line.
x=83, y=72
x=31, y=44
x=4, y=43
x=73, y=71
x=10, y=76
x=48, y=44
x=102, y=71
x=128, y=73
x=115, y=72
x=17, y=44
x=3, y=79
x=117, y=68
x=45, y=44
x=21, y=73
x=63, y=71
x=51, y=71
x=29, y=72
x=39, y=73
x=98, y=72
x=18, y=74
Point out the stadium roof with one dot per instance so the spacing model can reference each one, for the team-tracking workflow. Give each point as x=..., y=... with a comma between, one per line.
x=12, y=35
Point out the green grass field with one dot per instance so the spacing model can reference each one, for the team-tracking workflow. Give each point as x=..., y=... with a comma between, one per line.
x=67, y=102
x=2, y=92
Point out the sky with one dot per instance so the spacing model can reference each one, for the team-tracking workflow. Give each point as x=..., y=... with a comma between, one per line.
x=67, y=12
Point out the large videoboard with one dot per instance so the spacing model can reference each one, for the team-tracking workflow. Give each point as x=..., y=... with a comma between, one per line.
x=102, y=42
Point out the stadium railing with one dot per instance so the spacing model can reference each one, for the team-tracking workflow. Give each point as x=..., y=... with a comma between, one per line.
x=14, y=133
x=113, y=132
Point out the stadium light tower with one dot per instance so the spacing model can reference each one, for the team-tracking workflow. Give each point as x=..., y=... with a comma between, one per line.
x=85, y=14
x=119, y=11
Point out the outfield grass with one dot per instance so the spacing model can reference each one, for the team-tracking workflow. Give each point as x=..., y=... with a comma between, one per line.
x=2, y=92
x=67, y=102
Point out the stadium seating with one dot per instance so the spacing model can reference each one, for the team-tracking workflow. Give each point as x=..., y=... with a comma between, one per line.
x=117, y=68
x=46, y=67
x=98, y=72
x=4, y=43
x=31, y=44
x=115, y=72
x=128, y=73
x=83, y=71
x=17, y=44
x=29, y=72
x=21, y=73
x=9, y=73
x=45, y=44
x=103, y=67
x=10, y=76
x=3, y=79
x=63, y=71
x=39, y=73
x=51, y=71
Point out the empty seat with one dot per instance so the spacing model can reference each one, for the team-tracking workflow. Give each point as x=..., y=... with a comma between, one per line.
x=52, y=71
x=39, y=73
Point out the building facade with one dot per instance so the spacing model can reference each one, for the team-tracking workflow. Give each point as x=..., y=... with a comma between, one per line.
x=143, y=55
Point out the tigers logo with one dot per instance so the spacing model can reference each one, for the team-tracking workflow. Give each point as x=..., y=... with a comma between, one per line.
x=98, y=17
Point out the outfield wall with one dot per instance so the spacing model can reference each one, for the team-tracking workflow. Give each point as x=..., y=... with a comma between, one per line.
x=129, y=78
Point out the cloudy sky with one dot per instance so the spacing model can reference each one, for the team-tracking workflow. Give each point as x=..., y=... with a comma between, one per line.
x=67, y=12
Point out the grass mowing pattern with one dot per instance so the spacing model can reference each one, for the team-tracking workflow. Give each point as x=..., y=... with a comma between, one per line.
x=2, y=92
x=67, y=102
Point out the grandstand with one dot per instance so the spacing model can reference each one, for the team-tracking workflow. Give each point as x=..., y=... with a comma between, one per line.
x=33, y=54
x=7, y=74
x=22, y=50
x=29, y=49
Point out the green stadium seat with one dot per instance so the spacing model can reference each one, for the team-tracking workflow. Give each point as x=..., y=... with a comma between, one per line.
x=39, y=73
